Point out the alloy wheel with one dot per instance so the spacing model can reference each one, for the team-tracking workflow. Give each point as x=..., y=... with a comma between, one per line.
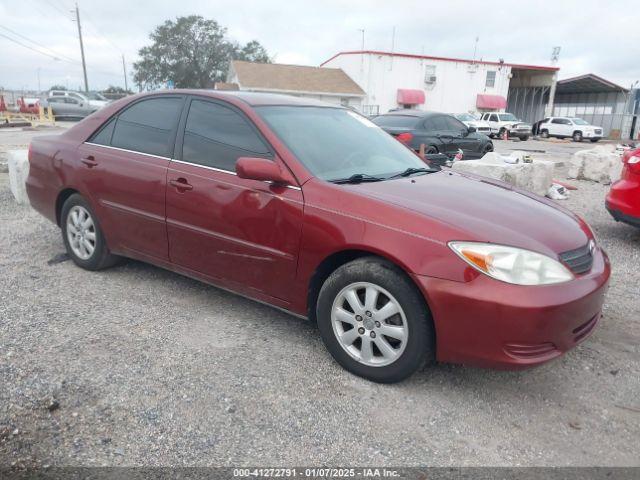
x=81, y=232
x=369, y=324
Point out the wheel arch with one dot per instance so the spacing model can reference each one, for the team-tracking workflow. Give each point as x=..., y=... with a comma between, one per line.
x=336, y=259
x=62, y=197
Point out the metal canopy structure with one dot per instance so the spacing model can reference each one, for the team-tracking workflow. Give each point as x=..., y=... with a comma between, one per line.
x=588, y=83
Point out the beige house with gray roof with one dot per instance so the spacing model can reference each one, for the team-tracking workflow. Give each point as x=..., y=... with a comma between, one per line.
x=330, y=85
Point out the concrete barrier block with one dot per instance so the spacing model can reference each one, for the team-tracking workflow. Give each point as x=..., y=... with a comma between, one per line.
x=600, y=164
x=18, y=163
x=535, y=177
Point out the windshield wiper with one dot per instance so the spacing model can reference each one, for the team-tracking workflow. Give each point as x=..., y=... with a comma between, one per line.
x=358, y=178
x=410, y=171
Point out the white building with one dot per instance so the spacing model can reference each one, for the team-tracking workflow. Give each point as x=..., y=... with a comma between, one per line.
x=330, y=85
x=453, y=85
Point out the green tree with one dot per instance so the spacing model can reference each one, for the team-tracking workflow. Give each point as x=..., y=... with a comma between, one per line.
x=191, y=51
x=252, y=52
x=118, y=90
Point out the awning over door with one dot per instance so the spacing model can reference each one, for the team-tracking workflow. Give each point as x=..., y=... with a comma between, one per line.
x=407, y=96
x=491, y=102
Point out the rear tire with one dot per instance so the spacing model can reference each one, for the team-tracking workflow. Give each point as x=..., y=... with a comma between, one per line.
x=524, y=138
x=487, y=148
x=544, y=133
x=577, y=136
x=82, y=236
x=356, y=319
x=431, y=150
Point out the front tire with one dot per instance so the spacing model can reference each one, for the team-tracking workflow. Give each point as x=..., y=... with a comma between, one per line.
x=524, y=138
x=82, y=235
x=374, y=321
x=544, y=133
x=594, y=140
x=577, y=136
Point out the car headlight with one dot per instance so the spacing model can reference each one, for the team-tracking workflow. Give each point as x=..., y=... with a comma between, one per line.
x=511, y=264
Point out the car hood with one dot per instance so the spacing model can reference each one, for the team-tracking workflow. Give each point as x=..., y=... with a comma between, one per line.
x=477, y=123
x=481, y=209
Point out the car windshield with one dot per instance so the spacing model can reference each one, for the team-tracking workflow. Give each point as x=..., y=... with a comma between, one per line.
x=335, y=143
x=508, y=117
x=579, y=121
x=464, y=117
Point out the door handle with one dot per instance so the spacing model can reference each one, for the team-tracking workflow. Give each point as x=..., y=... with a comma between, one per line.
x=181, y=184
x=89, y=161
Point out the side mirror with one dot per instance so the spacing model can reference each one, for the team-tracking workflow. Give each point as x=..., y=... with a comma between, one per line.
x=471, y=129
x=261, y=169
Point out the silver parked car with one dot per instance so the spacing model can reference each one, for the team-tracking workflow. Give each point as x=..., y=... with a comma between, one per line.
x=70, y=107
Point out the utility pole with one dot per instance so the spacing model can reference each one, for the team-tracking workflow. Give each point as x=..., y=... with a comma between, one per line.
x=555, y=55
x=84, y=64
x=124, y=70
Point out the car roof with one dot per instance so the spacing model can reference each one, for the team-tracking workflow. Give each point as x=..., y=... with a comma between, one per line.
x=251, y=98
x=411, y=113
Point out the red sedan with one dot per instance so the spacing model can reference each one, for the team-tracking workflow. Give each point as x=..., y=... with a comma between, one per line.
x=623, y=200
x=313, y=209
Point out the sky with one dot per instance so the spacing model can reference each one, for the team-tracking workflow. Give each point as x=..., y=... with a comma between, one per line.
x=595, y=36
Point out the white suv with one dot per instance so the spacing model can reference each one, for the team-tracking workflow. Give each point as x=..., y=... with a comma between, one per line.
x=501, y=122
x=565, y=127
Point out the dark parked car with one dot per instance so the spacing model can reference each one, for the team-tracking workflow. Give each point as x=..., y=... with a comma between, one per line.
x=313, y=209
x=439, y=132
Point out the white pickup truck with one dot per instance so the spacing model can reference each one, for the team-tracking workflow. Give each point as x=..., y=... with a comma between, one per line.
x=501, y=122
x=569, y=127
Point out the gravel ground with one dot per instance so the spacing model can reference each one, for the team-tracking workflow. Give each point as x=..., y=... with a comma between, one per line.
x=139, y=366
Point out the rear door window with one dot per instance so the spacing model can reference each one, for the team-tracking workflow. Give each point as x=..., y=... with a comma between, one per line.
x=216, y=136
x=148, y=126
x=493, y=118
x=440, y=123
x=403, y=121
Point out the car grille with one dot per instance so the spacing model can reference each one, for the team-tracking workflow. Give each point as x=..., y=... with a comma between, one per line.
x=579, y=260
x=528, y=351
x=483, y=129
x=598, y=131
x=585, y=329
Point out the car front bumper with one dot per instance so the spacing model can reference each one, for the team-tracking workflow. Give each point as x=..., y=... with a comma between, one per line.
x=623, y=202
x=488, y=323
x=592, y=134
x=519, y=132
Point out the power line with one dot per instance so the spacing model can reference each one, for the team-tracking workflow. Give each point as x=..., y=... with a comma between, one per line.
x=99, y=33
x=75, y=63
x=58, y=9
x=30, y=48
x=59, y=55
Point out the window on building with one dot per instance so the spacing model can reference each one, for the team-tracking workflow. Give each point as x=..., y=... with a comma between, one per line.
x=146, y=126
x=430, y=74
x=216, y=136
x=491, y=78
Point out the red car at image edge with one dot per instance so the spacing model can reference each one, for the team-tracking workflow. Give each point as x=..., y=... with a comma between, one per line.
x=315, y=210
x=623, y=200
